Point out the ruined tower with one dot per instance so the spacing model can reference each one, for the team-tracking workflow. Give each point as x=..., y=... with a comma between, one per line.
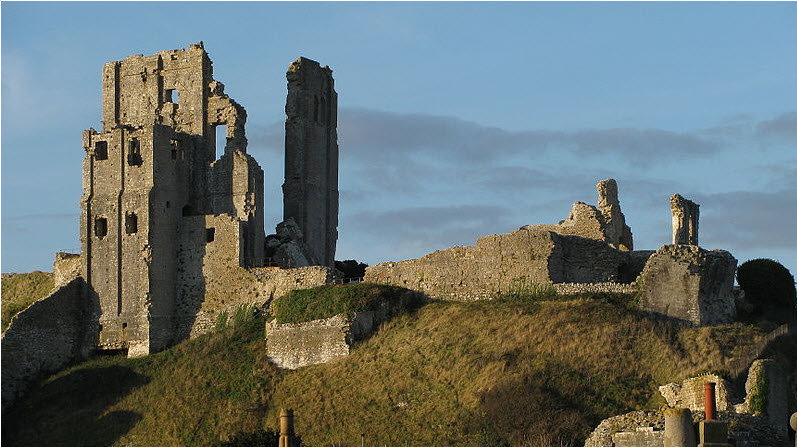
x=618, y=234
x=310, y=191
x=685, y=218
x=155, y=196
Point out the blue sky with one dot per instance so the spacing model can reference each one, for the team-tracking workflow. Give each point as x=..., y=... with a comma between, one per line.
x=456, y=120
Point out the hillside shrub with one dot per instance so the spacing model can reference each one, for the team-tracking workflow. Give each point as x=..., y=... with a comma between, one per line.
x=769, y=289
x=326, y=301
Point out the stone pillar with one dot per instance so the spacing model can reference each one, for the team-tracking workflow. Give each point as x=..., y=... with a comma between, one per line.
x=310, y=191
x=685, y=215
x=618, y=234
x=678, y=428
x=287, y=437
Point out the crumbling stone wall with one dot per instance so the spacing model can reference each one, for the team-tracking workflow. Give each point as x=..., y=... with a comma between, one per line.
x=690, y=283
x=237, y=287
x=636, y=426
x=276, y=282
x=292, y=346
x=685, y=217
x=66, y=267
x=503, y=263
x=766, y=383
x=44, y=338
x=211, y=279
x=604, y=223
x=690, y=394
x=310, y=191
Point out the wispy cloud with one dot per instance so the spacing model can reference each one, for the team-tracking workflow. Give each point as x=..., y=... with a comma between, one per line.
x=782, y=126
x=388, y=137
x=749, y=219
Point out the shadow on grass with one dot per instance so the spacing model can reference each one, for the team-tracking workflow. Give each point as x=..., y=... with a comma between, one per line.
x=72, y=409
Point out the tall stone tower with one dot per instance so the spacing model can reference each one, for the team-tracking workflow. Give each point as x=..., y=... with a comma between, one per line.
x=155, y=197
x=310, y=191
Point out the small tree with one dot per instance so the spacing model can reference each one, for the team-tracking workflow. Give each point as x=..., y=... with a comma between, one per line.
x=769, y=288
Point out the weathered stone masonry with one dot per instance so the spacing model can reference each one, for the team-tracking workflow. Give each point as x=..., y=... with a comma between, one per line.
x=310, y=191
x=48, y=335
x=146, y=177
x=587, y=247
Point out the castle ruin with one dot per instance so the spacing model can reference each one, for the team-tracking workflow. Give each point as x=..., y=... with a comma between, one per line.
x=685, y=216
x=155, y=195
x=310, y=191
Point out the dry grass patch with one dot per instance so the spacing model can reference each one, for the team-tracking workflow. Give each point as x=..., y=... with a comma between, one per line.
x=525, y=372
x=21, y=290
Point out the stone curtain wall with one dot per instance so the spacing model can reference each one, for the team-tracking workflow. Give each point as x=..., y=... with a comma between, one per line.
x=503, y=263
x=43, y=338
x=276, y=282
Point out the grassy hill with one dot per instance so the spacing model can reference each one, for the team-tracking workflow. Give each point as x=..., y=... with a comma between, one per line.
x=22, y=289
x=526, y=371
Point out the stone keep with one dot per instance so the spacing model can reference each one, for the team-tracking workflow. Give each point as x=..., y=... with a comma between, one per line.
x=149, y=177
x=310, y=191
x=685, y=215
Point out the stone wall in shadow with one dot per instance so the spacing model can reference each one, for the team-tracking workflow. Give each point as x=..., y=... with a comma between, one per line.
x=45, y=337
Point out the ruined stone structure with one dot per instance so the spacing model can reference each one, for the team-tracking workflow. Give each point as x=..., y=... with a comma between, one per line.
x=310, y=191
x=766, y=382
x=45, y=337
x=66, y=267
x=684, y=420
x=689, y=393
x=504, y=263
x=605, y=222
x=172, y=232
x=584, y=248
x=618, y=234
x=685, y=215
x=293, y=345
x=689, y=283
x=156, y=200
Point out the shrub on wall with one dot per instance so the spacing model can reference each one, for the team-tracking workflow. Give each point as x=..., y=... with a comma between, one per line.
x=769, y=289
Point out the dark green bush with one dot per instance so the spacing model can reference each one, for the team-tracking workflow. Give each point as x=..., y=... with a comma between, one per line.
x=769, y=289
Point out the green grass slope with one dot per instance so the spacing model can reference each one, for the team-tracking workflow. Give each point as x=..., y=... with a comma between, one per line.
x=20, y=290
x=519, y=372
